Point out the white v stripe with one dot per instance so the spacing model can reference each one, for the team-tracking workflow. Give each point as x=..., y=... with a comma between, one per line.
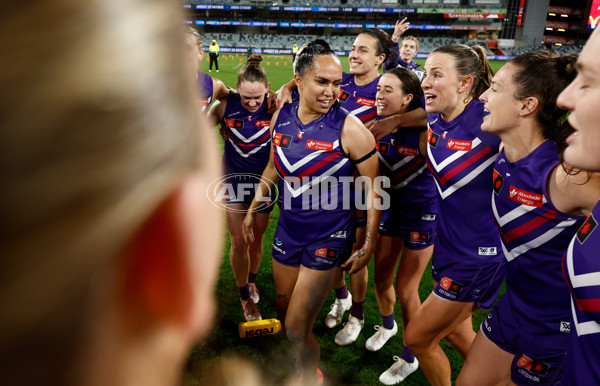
x=452, y=158
x=247, y=140
x=360, y=110
x=541, y=239
x=583, y=280
x=313, y=181
x=513, y=214
x=246, y=155
x=584, y=328
x=303, y=160
x=465, y=180
x=397, y=164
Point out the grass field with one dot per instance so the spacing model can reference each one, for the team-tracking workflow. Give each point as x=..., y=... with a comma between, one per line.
x=272, y=355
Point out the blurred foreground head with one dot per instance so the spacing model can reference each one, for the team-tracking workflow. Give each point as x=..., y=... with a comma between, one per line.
x=109, y=247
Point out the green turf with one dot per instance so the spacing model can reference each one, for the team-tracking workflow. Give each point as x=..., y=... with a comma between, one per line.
x=272, y=355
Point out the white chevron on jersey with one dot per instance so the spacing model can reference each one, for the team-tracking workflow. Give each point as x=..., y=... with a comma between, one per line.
x=248, y=154
x=584, y=279
x=465, y=180
x=452, y=158
x=585, y=328
x=398, y=164
x=410, y=178
x=248, y=140
x=303, y=160
x=360, y=109
x=314, y=181
x=541, y=239
x=513, y=214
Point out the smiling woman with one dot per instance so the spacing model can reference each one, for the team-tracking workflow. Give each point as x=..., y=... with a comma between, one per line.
x=315, y=139
x=245, y=121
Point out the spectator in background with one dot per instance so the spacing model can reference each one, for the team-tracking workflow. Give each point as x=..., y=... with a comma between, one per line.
x=213, y=55
x=209, y=88
x=294, y=52
x=110, y=248
x=249, y=50
x=406, y=50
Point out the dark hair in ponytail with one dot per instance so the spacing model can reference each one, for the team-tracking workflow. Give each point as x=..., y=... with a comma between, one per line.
x=543, y=74
x=383, y=43
x=471, y=62
x=253, y=71
x=307, y=56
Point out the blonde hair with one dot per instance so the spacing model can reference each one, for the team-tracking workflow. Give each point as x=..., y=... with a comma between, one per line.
x=414, y=39
x=193, y=31
x=98, y=126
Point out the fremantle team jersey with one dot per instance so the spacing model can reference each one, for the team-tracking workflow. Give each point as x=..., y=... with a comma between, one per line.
x=248, y=146
x=204, y=86
x=461, y=157
x=534, y=236
x=412, y=189
x=316, y=172
x=359, y=100
x=581, y=268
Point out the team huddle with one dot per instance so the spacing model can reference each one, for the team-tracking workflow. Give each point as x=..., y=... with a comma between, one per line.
x=493, y=176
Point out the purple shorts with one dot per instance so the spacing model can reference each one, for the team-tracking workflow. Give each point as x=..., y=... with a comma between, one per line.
x=322, y=255
x=418, y=233
x=470, y=284
x=534, y=363
x=241, y=189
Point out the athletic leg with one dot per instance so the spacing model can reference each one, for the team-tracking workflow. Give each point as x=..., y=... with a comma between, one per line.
x=435, y=319
x=285, y=278
x=308, y=297
x=486, y=364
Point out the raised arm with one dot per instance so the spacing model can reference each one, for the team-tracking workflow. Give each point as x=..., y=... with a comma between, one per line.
x=359, y=144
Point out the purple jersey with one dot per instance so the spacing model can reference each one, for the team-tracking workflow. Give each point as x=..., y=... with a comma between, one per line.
x=397, y=61
x=412, y=190
x=461, y=157
x=204, y=86
x=581, y=268
x=359, y=100
x=248, y=148
x=534, y=236
x=316, y=172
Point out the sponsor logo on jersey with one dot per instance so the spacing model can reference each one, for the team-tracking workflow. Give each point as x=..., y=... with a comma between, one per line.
x=343, y=95
x=432, y=138
x=419, y=236
x=428, y=217
x=586, y=229
x=458, y=145
x=444, y=134
x=275, y=247
x=498, y=182
x=383, y=147
x=565, y=327
x=525, y=197
x=262, y=123
x=366, y=102
x=234, y=123
x=326, y=252
x=408, y=151
x=451, y=285
x=536, y=367
x=282, y=140
x=277, y=241
x=339, y=235
x=487, y=251
x=318, y=145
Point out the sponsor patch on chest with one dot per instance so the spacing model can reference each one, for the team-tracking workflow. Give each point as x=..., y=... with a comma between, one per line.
x=524, y=197
x=318, y=145
x=282, y=140
x=458, y=145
